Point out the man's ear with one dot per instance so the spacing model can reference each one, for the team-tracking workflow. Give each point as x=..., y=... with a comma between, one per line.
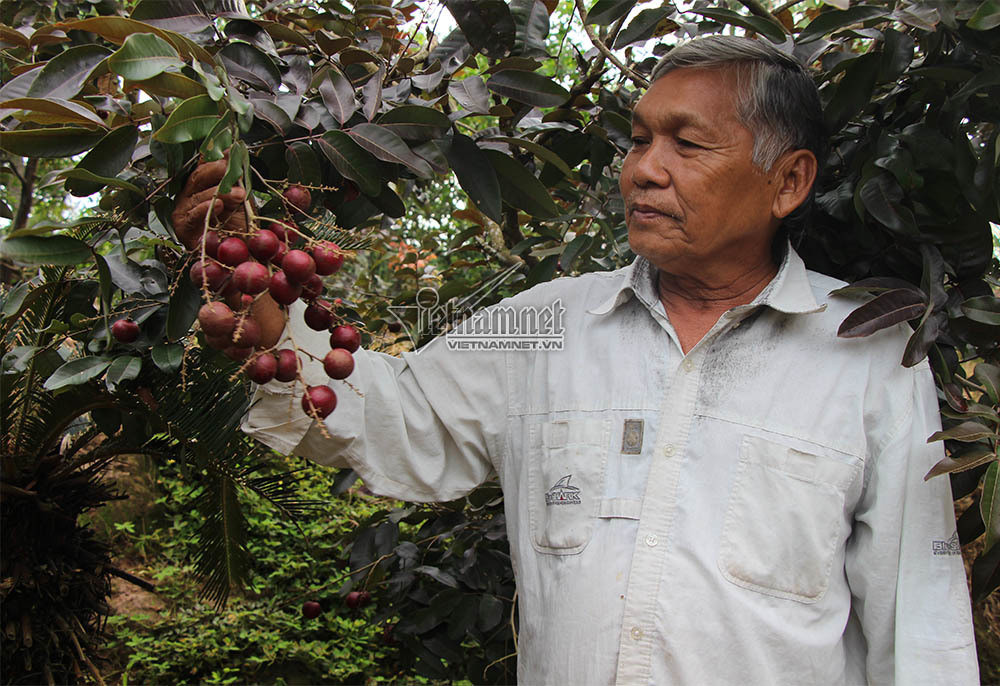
x=794, y=172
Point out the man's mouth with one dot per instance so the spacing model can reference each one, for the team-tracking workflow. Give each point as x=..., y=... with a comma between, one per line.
x=646, y=212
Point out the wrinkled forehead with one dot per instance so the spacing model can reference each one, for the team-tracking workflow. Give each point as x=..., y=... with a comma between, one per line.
x=706, y=96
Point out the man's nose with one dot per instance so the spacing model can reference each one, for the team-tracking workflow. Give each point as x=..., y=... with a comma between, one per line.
x=650, y=168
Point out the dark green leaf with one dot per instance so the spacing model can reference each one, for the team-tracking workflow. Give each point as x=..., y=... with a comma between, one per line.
x=219, y=139
x=124, y=368
x=436, y=574
x=63, y=250
x=984, y=309
x=987, y=16
x=490, y=612
x=168, y=356
x=471, y=94
x=416, y=123
x=475, y=175
x=832, y=20
x=772, y=30
x=452, y=52
x=142, y=56
x=387, y=146
x=643, y=27
x=338, y=96
x=527, y=87
x=989, y=505
x=67, y=73
x=574, y=248
x=888, y=309
x=106, y=159
x=252, y=65
x=75, y=372
x=989, y=376
x=487, y=25
x=192, y=120
x=519, y=188
x=351, y=160
x=53, y=111
x=604, y=12
x=881, y=197
x=968, y=432
x=532, y=20
x=185, y=302
x=62, y=141
x=967, y=459
x=541, y=152
x=543, y=271
x=303, y=165
x=238, y=161
x=854, y=91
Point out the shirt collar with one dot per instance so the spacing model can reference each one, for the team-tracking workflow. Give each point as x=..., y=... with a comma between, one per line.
x=789, y=291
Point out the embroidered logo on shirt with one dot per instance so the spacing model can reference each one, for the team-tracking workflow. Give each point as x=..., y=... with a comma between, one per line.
x=632, y=437
x=949, y=547
x=562, y=493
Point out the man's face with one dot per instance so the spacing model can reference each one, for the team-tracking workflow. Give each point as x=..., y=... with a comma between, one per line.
x=695, y=204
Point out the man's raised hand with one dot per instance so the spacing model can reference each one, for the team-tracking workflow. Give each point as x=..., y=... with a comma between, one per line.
x=199, y=198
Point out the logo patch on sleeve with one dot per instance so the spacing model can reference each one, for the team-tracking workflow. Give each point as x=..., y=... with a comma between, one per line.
x=949, y=547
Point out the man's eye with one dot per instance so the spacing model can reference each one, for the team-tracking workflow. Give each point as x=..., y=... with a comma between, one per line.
x=636, y=141
x=684, y=143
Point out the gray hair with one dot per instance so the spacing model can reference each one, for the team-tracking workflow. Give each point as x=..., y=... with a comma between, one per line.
x=776, y=99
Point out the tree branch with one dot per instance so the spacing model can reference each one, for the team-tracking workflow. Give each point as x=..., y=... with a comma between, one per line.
x=757, y=8
x=787, y=6
x=27, y=189
x=599, y=44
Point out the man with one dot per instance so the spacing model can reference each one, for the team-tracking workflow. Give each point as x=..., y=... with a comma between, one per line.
x=706, y=485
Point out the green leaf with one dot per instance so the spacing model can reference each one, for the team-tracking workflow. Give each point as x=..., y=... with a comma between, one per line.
x=968, y=432
x=170, y=84
x=89, y=177
x=387, y=146
x=475, y=175
x=13, y=300
x=989, y=376
x=351, y=160
x=107, y=283
x=67, y=73
x=987, y=17
x=772, y=30
x=604, y=12
x=63, y=250
x=519, y=188
x=55, y=111
x=75, y=372
x=239, y=159
x=490, y=612
x=192, y=120
x=414, y=122
x=527, y=87
x=219, y=139
x=832, y=20
x=251, y=64
x=888, y=309
x=967, y=459
x=123, y=368
x=142, y=56
x=118, y=29
x=338, y=96
x=543, y=271
x=644, y=26
x=183, y=308
x=112, y=154
x=168, y=356
x=984, y=309
x=989, y=506
x=541, y=152
x=63, y=141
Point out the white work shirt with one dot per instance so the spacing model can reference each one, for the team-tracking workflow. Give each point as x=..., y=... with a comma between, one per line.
x=753, y=512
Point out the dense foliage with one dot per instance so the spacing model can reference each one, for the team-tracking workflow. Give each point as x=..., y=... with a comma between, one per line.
x=378, y=116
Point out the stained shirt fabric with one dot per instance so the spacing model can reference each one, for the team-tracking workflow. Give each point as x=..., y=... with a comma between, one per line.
x=752, y=512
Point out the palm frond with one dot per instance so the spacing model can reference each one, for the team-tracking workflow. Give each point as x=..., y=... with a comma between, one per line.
x=327, y=230
x=222, y=559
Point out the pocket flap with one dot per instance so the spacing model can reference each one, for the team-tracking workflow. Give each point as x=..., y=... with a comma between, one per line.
x=808, y=467
x=563, y=432
x=621, y=508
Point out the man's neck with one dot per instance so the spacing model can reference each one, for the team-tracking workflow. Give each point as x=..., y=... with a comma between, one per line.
x=694, y=305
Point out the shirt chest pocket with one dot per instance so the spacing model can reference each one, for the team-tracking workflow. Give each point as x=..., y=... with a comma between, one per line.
x=785, y=520
x=566, y=482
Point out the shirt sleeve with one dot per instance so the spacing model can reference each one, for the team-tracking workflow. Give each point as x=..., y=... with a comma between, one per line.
x=425, y=426
x=903, y=561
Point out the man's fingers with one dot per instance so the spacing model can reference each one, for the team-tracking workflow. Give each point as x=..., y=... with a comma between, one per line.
x=190, y=226
x=206, y=175
x=232, y=199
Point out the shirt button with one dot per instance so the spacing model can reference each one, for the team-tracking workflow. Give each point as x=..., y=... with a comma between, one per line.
x=669, y=450
x=636, y=633
x=651, y=540
x=688, y=365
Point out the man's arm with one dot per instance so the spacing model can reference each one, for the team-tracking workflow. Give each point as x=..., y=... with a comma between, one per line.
x=906, y=575
x=426, y=426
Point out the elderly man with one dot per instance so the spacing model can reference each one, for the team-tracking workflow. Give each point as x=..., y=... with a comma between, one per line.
x=705, y=485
